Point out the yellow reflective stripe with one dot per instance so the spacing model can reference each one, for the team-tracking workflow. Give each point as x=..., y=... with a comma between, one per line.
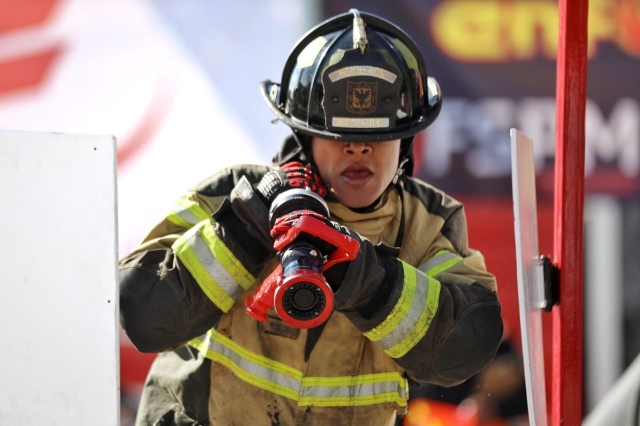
x=283, y=380
x=411, y=317
x=255, y=358
x=400, y=310
x=365, y=389
x=354, y=401
x=218, y=349
x=226, y=258
x=362, y=379
x=422, y=326
x=187, y=213
x=442, y=261
x=216, y=270
x=354, y=390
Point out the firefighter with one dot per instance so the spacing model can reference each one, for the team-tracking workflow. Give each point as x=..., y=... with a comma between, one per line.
x=415, y=304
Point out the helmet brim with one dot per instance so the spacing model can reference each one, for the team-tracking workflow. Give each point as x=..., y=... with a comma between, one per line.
x=271, y=93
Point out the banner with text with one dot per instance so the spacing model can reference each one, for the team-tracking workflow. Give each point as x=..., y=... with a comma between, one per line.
x=495, y=62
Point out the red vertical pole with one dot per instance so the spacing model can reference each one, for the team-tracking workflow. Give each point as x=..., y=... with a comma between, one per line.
x=571, y=77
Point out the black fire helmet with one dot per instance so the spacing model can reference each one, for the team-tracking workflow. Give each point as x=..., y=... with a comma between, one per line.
x=355, y=77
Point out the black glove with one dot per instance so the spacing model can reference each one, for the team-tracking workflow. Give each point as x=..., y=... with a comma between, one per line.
x=361, y=278
x=251, y=207
x=365, y=284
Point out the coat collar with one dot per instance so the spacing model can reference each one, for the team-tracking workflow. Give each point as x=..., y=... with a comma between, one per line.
x=380, y=225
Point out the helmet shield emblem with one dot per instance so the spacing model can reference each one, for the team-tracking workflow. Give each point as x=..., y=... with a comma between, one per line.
x=362, y=97
x=361, y=92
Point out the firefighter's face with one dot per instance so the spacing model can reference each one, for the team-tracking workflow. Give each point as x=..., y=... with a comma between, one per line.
x=357, y=173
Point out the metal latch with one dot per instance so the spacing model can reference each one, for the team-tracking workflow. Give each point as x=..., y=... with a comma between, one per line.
x=551, y=281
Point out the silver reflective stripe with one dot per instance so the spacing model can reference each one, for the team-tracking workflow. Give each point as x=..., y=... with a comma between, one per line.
x=186, y=215
x=351, y=391
x=213, y=266
x=411, y=318
x=284, y=380
x=255, y=369
x=437, y=260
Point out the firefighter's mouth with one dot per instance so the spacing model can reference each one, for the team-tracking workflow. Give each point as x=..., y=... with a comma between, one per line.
x=356, y=175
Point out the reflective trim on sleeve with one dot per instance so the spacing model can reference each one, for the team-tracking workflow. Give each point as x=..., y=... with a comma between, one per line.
x=216, y=270
x=187, y=213
x=281, y=379
x=411, y=317
x=442, y=261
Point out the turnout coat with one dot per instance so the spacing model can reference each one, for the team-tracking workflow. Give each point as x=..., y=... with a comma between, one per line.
x=182, y=295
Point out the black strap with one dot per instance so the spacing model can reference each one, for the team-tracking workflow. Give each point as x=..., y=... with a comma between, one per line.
x=313, y=335
x=394, y=251
x=400, y=236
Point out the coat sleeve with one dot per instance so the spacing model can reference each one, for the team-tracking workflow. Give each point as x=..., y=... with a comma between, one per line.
x=187, y=272
x=440, y=321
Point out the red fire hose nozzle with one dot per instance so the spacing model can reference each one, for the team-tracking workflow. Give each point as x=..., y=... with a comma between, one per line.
x=297, y=288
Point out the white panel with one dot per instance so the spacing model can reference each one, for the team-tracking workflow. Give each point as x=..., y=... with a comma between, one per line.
x=530, y=277
x=620, y=406
x=603, y=297
x=58, y=297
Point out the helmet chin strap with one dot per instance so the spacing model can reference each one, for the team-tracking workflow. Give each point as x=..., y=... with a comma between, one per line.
x=399, y=171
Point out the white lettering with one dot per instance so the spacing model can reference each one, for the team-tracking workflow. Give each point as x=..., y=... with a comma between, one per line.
x=360, y=123
x=478, y=132
x=615, y=141
x=362, y=71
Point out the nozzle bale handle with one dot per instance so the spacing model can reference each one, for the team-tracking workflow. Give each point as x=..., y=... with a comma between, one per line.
x=346, y=247
x=259, y=303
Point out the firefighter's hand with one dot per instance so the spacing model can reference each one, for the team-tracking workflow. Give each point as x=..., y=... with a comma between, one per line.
x=361, y=278
x=286, y=229
x=325, y=235
x=336, y=243
x=363, y=286
x=291, y=175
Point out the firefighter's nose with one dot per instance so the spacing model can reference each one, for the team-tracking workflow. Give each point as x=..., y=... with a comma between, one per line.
x=357, y=148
